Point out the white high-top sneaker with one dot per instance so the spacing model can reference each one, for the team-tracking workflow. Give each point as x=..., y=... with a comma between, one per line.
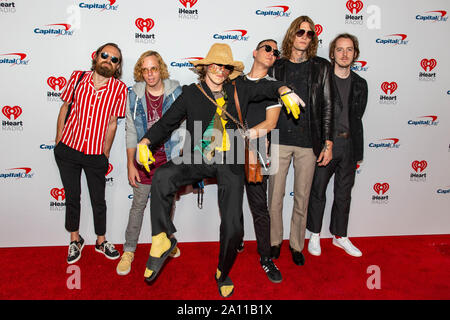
x=347, y=245
x=314, y=244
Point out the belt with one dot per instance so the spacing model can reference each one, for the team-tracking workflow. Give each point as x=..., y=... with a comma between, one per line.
x=344, y=135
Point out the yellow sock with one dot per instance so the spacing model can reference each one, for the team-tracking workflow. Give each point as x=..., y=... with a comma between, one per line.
x=225, y=290
x=160, y=244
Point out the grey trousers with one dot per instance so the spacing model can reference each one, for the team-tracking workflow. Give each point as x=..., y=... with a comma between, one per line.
x=304, y=162
x=141, y=195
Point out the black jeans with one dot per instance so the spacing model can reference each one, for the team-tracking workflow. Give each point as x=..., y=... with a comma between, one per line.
x=169, y=177
x=70, y=163
x=257, y=201
x=344, y=168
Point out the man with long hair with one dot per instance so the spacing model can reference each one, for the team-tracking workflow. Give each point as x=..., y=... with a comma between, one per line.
x=350, y=91
x=303, y=141
x=84, y=137
x=150, y=98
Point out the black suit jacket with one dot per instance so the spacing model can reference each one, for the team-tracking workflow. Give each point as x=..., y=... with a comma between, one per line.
x=356, y=106
x=194, y=106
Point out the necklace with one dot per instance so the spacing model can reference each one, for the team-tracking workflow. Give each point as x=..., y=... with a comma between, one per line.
x=157, y=100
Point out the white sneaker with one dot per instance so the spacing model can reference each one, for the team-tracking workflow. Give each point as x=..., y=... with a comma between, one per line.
x=314, y=244
x=346, y=244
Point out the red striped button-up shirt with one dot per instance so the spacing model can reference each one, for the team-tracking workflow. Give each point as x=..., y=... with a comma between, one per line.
x=86, y=127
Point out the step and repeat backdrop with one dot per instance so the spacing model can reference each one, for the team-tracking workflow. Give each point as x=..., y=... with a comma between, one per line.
x=402, y=186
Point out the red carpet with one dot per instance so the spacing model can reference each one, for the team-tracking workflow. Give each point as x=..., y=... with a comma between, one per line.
x=411, y=267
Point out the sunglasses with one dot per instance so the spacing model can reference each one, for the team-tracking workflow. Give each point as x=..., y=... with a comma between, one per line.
x=150, y=70
x=105, y=55
x=223, y=67
x=310, y=34
x=276, y=53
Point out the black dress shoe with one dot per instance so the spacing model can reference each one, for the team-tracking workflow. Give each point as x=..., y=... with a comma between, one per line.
x=297, y=257
x=275, y=251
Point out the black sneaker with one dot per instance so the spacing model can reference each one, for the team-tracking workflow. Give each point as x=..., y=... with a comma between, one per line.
x=241, y=247
x=271, y=270
x=107, y=248
x=74, y=252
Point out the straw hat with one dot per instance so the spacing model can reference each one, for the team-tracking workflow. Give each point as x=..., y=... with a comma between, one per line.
x=220, y=53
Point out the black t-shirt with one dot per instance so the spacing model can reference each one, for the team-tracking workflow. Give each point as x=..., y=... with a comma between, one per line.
x=296, y=132
x=257, y=110
x=343, y=86
x=256, y=114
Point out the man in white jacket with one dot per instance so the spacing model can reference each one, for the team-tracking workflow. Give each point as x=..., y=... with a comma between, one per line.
x=151, y=96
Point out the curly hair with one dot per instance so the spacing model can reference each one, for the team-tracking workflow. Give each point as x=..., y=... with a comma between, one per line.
x=346, y=36
x=289, y=37
x=138, y=67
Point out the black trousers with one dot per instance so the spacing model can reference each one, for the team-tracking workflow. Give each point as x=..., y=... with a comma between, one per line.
x=344, y=168
x=169, y=177
x=257, y=201
x=70, y=163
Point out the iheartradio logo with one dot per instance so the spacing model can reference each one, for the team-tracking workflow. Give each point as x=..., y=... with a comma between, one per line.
x=110, y=168
x=59, y=83
x=186, y=2
x=318, y=29
x=428, y=64
x=142, y=24
x=58, y=193
x=389, y=87
x=354, y=6
x=12, y=113
x=419, y=166
x=381, y=188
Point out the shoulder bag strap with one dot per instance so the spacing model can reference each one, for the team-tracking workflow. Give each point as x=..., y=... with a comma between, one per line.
x=73, y=96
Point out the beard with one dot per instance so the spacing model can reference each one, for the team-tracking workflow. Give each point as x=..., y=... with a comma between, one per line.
x=103, y=70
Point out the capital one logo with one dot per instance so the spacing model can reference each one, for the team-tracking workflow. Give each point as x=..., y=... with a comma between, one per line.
x=419, y=166
x=185, y=3
x=381, y=188
x=428, y=64
x=354, y=6
x=14, y=58
x=318, y=29
x=240, y=35
x=142, y=24
x=58, y=193
x=184, y=64
x=54, y=82
x=62, y=29
x=430, y=120
x=389, y=87
x=12, y=113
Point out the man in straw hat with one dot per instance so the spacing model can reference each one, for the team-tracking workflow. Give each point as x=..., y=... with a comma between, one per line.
x=209, y=109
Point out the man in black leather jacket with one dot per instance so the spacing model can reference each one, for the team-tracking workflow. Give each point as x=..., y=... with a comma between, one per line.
x=305, y=141
x=351, y=99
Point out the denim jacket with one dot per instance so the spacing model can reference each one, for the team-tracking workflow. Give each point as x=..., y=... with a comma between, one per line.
x=136, y=116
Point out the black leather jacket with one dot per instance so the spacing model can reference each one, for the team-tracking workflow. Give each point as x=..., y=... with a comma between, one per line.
x=356, y=106
x=320, y=102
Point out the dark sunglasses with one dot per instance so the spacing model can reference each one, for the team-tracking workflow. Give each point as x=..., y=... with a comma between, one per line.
x=105, y=55
x=226, y=66
x=310, y=34
x=276, y=53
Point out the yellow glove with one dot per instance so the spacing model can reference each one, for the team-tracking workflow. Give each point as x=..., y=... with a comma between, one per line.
x=144, y=156
x=291, y=102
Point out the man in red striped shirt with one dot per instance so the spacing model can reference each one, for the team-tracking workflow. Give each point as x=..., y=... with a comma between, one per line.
x=84, y=137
